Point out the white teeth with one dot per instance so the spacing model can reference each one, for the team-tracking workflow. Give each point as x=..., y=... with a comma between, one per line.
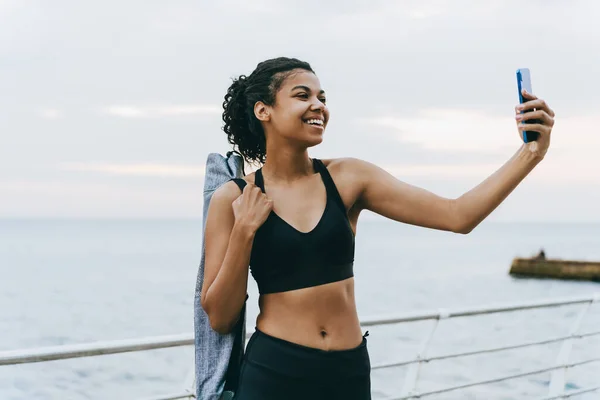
x=315, y=121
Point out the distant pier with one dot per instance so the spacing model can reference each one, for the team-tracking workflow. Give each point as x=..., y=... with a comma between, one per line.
x=542, y=267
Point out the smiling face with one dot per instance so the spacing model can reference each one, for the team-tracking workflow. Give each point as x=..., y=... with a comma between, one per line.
x=299, y=114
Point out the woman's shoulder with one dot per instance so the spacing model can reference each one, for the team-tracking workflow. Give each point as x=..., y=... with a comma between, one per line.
x=344, y=170
x=350, y=170
x=230, y=191
x=344, y=164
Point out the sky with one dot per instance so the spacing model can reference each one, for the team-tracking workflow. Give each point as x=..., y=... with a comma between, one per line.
x=109, y=109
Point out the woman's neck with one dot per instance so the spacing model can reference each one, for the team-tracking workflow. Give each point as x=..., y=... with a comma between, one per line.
x=287, y=166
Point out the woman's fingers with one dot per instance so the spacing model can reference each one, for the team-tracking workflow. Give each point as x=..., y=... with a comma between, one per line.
x=252, y=206
x=254, y=196
x=527, y=95
x=249, y=187
x=544, y=129
x=251, y=192
x=540, y=115
x=533, y=103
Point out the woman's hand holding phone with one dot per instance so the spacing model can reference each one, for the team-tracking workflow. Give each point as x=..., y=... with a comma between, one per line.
x=535, y=109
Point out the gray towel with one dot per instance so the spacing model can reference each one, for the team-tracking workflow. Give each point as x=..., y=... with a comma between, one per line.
x=217, y=357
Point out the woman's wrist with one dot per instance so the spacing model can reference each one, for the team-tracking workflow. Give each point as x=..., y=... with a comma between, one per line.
x=529, y=154
x=244, y=230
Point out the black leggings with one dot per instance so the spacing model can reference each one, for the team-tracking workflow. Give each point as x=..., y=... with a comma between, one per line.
x=274, y=368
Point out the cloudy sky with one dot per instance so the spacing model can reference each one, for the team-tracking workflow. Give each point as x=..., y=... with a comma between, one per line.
x=109, y=109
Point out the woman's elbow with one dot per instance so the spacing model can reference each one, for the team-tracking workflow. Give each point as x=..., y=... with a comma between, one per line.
x=457, y=221
x=216, y=323
x=464, y=230
x=461, y=227
x=218, y=327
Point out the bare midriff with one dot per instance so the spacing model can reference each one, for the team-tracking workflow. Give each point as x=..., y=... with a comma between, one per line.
x=322, y=317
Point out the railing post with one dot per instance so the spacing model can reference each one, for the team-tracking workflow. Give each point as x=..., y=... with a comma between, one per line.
x=412, y=375
x=190, y=380
x=558, y=377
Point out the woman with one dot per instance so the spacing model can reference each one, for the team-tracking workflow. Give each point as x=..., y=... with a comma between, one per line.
x=294, y=225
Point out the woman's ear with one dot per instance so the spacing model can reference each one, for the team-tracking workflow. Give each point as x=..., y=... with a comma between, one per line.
x=261, y=111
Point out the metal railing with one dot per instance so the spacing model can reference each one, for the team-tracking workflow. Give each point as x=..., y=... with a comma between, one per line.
x=409, y=391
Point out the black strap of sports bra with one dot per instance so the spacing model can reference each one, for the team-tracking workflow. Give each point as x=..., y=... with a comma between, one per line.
x=258, y=179
x=240, y=182
x=329, y=183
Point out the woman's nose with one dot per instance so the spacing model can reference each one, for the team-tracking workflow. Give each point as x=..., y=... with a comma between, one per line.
x=317, y=105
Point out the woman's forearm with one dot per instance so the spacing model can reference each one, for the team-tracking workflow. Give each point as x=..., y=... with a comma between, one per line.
x=226, y=296
x=475, y=205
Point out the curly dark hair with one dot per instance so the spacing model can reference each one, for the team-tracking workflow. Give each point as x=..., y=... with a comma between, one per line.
x=243, y=129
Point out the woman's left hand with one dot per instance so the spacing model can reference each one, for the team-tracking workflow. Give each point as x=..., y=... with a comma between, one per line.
x=545, y=116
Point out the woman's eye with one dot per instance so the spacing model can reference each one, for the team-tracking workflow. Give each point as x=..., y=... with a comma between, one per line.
x=305, y=96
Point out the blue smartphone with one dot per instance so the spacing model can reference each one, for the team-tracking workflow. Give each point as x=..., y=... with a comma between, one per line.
x=524, y=82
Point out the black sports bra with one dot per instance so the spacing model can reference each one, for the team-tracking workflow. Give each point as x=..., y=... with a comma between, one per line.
x=284, y=258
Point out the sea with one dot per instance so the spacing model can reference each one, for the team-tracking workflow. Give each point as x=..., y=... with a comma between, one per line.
x=78, y=281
